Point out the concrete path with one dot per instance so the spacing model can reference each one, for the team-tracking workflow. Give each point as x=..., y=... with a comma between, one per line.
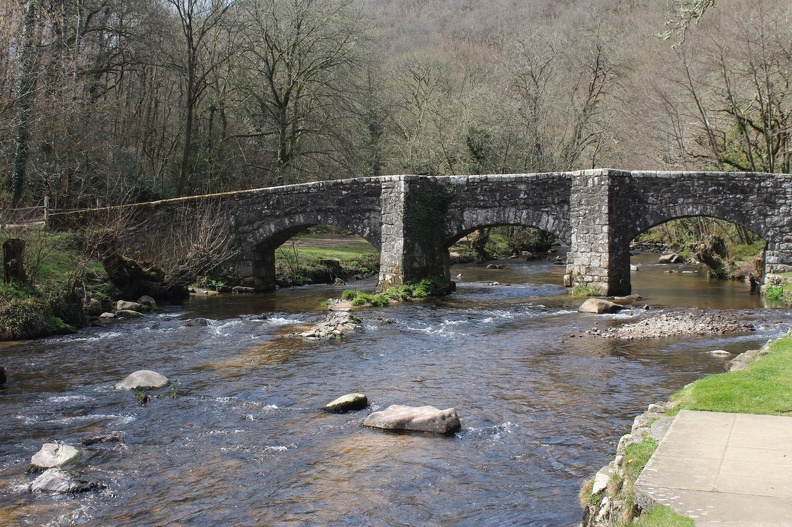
x=724, y=469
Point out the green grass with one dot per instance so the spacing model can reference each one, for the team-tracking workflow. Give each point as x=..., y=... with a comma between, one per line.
x=359, y=298
x=662, y=516
x=355, y=249
x=298, y=265
x=765, y=387
x=585, y=290
x=636, y=456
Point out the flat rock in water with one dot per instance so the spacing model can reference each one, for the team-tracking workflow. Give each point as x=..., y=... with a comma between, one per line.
x=347, y=403
x=670, y=258
x=599, y=306
x=128, y=313
x=625, y=299
x=420, y=418
x=123, y=305
x=193, y=322
x=142, y=380
x=54, y=455
x=57, y=481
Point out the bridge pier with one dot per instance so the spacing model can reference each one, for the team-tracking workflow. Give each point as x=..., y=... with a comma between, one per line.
x=778, y=257
x=599, y=255
x=414, y=212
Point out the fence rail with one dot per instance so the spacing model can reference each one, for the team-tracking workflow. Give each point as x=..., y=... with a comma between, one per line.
x=26, y=216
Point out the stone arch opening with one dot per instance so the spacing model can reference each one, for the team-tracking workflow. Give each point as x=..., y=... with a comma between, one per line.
x=713, y=245
x=315, y=253
x=501, y=240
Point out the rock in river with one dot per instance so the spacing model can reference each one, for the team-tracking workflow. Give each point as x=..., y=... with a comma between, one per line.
x=124, y=305
x=599, y=306
x=54, y=455
x=57, y=481
x=670, y=258
x=335, y=325
x=347, y=403
x=421, y=419
x=142, y=380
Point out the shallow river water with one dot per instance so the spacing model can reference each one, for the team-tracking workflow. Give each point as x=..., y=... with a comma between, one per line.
x=238, y=439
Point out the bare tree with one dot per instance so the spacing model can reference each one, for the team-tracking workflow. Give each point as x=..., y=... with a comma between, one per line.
x=735, y=83
x=199, y=21
x=683, y=14
x=292, y=89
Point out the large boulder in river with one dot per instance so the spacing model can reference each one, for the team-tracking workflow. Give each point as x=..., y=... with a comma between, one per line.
x=347, y=403
x=54, y=455
x=125, y=305
x=599, y=306
x=147, y=301
x=142, y=380
x=57, y=481
x=420, y=418
x=93, y=307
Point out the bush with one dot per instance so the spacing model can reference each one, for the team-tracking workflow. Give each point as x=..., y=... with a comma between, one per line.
x=775, y=293
x=22, y=318
x=359, y=298
x=430, y=286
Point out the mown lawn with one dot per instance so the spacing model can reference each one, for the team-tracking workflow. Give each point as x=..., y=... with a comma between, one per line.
x=765, y=387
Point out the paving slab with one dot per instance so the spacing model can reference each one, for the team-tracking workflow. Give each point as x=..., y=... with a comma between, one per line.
x=724, y=469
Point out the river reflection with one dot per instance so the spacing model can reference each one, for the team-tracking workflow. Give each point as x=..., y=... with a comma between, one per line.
x=242, y=441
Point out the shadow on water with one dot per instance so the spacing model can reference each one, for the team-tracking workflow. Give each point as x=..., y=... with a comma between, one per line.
x=243, y=443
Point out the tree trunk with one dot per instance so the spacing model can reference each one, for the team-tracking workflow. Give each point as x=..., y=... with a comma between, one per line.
x=14, y=260
x=25, y=86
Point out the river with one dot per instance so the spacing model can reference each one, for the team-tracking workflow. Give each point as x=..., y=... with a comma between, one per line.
x=239, y=440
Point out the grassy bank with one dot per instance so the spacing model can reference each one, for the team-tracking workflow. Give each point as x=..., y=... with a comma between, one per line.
x=58, y=276
x=778, y=289
x=763, y=387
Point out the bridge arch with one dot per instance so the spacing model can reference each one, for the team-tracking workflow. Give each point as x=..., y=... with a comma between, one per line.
x=450, y=207
x=265, y=219
x=757, y=202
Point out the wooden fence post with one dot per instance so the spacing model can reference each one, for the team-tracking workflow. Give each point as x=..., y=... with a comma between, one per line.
x=46, y=212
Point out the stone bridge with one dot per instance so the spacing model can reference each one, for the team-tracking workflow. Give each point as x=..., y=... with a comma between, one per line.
x=413, y=220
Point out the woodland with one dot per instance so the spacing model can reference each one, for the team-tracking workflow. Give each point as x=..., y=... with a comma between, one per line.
x=105, y=102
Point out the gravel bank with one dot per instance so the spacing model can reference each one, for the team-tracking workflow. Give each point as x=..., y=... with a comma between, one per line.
x=677, y=323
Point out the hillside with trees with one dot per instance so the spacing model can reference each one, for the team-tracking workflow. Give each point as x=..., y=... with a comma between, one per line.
x=111, y=101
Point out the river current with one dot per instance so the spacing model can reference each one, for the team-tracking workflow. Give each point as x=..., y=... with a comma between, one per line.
x=238, y=440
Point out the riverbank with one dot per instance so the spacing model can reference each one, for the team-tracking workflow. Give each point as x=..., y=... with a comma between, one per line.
x=750, y=386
